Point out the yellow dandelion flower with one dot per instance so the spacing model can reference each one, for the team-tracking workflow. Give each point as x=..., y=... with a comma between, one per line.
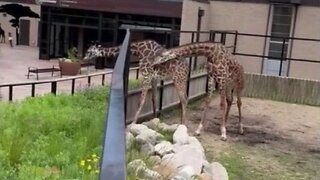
x=96, y=171
x=82, y=162
x=89, y=160
x=94, y=155
x=95, y=159
x=89, y=167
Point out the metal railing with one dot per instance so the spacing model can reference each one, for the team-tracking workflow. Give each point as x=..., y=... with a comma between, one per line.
x=113, y=164
x=53, y=83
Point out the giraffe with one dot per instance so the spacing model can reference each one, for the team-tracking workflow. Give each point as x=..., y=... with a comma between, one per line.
x=222, y=68
x=146, y=51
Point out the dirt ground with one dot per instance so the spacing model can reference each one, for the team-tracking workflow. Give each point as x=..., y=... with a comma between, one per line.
x=280, y=141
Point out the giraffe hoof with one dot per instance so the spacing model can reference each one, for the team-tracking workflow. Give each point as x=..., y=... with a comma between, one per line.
x=223, y=138
x=197, y=133
x=241, y=131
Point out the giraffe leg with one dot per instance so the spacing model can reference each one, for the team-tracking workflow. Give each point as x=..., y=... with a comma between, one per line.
x=229, y=103
x=154, y=97
x=145, y=88
x=180, y=83
x=223, y=115
x=239, y=103
x=183, y=102
x=207, y=103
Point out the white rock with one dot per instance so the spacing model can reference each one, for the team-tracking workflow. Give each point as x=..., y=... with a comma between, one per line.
x=178, y=178
x=166, y=159
x=179, y=148
x=193, y=141
x=186, y=155
x=205, y=176
x=187, y=172
x=155, y=159
x=153, y=123
x=149, y=136
x=133, y=165
x=145, y=173
x=147, y=148
x=169, y=128
x=164, y=147
x=219, y=172
x=137, y=129
x=180, y=136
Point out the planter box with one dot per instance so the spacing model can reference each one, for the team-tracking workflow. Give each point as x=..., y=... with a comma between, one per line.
x=69, y=68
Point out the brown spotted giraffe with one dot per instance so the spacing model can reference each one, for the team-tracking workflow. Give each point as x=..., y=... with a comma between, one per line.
x=146, y=51
x=222, y=68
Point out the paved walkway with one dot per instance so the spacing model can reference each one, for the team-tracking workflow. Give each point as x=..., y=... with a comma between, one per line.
x=14, y=63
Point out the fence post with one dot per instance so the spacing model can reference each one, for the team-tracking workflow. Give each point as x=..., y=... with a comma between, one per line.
x=73, y=82
x=282, y=55
x=235, y=43
x=10, y=93
x=113, y=161
x=54, y=87
x=32, y=89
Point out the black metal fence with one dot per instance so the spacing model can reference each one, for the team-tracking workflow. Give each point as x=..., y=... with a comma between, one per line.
x=113, y=164
x=282, y=53
x=53, y=84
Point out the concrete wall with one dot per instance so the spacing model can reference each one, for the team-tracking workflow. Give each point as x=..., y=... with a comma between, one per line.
x=6, y=25
x=307, y=26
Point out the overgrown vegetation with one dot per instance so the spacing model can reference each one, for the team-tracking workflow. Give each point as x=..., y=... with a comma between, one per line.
x=52, y=137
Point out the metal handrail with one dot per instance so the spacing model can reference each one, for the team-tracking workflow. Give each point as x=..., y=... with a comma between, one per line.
x=113, y=164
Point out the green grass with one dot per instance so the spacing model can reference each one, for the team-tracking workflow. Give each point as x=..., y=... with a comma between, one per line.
x=134, y=84
x=47, y=137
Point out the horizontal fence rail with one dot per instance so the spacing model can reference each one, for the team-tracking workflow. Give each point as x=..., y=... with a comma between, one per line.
x=54, y=83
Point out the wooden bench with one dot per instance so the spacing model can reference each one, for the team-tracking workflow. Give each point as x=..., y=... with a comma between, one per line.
x=42, y=70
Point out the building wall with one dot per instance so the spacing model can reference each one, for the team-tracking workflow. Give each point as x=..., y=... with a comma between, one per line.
x=33, y=32
x=307, y=26
x=225, y=16
x=189, y=20
x=253, y=18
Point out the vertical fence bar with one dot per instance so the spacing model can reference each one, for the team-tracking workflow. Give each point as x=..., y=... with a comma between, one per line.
x=162, y=82
x=103, y=79
x=113, y=162
x=33, y=89
x=137, y=74
x=54, y=87
x=235, y=43
x=89, y=81
x=73, y=82
x=282, y=55
x=190, y=68
x=10, y=93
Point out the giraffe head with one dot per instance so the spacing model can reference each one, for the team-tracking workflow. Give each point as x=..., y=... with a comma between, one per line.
x=164, y=57
x=94, y=51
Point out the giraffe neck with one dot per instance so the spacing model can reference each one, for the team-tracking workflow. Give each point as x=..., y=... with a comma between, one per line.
x=198, y=49
x=139, y=48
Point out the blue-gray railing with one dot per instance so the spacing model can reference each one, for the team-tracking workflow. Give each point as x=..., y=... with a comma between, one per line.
x=113, y=163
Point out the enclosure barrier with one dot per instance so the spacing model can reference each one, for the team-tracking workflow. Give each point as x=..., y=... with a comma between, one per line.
x=113, y=164
x=54, y=83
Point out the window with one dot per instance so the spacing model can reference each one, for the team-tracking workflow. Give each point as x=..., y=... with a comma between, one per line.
x=281, y=27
